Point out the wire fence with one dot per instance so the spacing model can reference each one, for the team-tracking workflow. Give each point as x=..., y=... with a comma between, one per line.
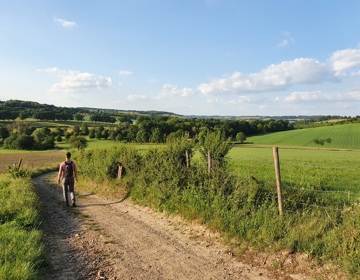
x=294, y=199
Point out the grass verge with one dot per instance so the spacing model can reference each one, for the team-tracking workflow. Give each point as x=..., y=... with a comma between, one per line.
x=21, y=244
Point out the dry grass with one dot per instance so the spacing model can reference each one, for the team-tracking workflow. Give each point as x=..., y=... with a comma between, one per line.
x=31, y=159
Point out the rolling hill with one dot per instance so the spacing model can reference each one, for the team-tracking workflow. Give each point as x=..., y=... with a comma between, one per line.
x=346, y=136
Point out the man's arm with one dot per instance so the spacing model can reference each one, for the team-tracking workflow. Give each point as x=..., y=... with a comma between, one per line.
x=75, y=172
x=59, y=174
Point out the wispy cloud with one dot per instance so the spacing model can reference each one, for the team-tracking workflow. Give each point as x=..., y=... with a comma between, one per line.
x=318, y=96
x=169, y=90
x=65, y=23
x=126, y=73
x=136, y=97
x=75, y=81
x=283, y=43
x=286, y=41
x=241, y=100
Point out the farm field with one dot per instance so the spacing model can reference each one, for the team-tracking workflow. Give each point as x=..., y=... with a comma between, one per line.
x=33, y=159
x=346, y=136
x=304, y=164
x=330, y=172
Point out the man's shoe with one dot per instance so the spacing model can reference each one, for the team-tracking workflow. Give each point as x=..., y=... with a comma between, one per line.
x=73, y=205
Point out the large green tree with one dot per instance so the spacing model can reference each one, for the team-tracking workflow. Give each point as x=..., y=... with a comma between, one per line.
x=240, y=136
x=78, y=142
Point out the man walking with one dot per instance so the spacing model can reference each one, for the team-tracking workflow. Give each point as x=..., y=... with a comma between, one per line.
x=68, y=175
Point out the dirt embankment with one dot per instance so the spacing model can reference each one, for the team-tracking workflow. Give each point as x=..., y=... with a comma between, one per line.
x=102, y=239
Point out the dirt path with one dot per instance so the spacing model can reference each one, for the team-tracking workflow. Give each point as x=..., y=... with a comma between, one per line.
x=103, y=239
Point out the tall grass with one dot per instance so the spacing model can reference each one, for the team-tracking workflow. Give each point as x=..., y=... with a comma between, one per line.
x=321, y=213
x=20, y=234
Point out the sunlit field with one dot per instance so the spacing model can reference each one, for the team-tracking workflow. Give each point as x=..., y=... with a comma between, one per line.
x=346, y=136
x=325, y=169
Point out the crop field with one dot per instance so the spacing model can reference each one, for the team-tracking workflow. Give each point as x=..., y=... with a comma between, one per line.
x=33, y=159
x=346, y=136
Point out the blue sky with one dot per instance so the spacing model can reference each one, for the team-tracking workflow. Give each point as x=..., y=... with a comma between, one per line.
x=191, y=57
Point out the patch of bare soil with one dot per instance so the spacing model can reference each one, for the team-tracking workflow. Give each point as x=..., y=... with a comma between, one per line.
x=102, y=239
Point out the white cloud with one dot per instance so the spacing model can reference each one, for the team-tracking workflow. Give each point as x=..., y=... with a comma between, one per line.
x=344, y=60
x=283, y=43
x=241, y=100
x=65, y=23
x=275, y=77
x=170, y=90
x=318, y=96
x=75, y=81
x=152, y=81
x=52, y=70
x=136, y=97
x=303, y=96
x=212, y=101
x=126, y=73
x=286, y=41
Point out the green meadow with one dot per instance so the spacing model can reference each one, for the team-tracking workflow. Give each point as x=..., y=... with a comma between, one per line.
x=327, y=170
x=346, y=136
x=304, y=164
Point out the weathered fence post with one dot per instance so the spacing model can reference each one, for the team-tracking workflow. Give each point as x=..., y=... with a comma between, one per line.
x=209, y=161
x=119, y=172
x=278, y=178
x=187, y=159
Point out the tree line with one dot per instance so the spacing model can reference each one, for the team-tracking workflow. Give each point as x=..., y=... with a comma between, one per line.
x=119, y=126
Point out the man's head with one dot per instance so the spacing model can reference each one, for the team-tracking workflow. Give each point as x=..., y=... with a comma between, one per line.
x=68, y=155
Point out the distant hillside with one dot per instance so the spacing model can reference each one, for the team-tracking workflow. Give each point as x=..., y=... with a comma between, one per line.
x=346, y=136
x=26, y=105
x=131, y=112
x=29, y=106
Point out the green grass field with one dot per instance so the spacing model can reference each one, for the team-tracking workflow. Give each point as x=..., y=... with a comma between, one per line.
x=346, y=136
x=320, y=168
x=333, y=166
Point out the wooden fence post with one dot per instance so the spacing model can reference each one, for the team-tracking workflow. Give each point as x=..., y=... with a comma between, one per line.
x=209, y=161
x=187, y=159
x=119, y=172
x=278, y=178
